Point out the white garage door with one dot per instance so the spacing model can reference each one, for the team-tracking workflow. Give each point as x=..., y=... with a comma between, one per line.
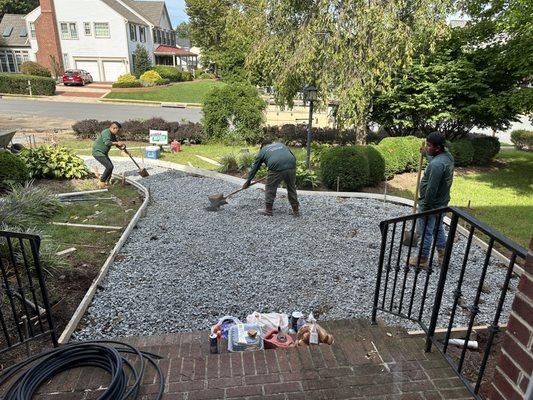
x=113, y=69
x=91, y=67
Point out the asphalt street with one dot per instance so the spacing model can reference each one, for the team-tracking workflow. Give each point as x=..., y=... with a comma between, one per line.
x=78, y=111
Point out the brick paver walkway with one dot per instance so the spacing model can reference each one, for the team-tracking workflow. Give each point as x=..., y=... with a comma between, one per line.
x=365, y=362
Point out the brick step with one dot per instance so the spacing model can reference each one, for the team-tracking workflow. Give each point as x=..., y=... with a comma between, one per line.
x=365, y=361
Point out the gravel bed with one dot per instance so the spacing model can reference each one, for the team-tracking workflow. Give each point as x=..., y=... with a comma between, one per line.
x=184, y=267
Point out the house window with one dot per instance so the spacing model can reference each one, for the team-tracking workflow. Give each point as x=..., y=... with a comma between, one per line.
x=33, y=34
x=69, y=30
x=101, y=30
x=158, y=36
x=87, y=28
x=133, y=33
x=142, y=34
x=66, y=61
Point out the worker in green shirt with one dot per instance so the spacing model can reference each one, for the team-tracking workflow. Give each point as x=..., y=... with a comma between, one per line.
x=281, y=165
x=434, y=193
x=101, y=147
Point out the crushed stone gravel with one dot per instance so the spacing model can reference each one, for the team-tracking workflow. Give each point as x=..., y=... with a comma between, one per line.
x=184, y=267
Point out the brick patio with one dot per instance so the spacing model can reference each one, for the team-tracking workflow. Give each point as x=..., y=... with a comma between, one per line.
x=365, y=362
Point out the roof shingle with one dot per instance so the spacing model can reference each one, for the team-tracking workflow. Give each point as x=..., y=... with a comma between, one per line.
x=18, y=35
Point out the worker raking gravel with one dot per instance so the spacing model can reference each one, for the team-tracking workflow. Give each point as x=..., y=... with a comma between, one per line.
x=101, y=146
x=281, y=164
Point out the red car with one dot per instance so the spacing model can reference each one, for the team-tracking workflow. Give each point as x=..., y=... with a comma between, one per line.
x=76, y=77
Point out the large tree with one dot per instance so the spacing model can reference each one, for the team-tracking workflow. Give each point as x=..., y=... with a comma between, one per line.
x=225, y=31
x=17, y=6
x=348, y=49
x=183, y=30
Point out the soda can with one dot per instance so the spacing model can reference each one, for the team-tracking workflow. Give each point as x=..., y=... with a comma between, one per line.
x=213, y=343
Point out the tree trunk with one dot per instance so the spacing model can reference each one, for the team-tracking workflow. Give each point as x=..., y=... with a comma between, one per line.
x=360, y=133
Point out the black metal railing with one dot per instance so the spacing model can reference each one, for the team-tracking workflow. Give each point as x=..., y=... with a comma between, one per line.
x=413, y=285
x=25, y=313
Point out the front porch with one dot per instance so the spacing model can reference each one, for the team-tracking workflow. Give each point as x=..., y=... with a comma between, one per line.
x=176, y=57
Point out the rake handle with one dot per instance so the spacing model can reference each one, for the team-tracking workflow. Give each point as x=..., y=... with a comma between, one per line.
x=241, y=189
x=132, y=159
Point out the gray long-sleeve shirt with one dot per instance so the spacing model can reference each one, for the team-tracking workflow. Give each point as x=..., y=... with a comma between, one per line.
x=436, y=182
x=276, y=156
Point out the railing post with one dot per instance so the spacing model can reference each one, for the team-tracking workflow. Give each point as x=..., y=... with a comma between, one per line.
x=384, y=231
x=442, y=281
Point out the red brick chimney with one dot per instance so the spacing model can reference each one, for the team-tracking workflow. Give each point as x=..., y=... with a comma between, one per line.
x=48, y=37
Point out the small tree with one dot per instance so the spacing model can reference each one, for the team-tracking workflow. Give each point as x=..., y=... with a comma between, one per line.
x=142, y=61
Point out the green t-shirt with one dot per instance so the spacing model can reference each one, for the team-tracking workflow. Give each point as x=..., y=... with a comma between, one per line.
x=276, y=156
x=103, y=143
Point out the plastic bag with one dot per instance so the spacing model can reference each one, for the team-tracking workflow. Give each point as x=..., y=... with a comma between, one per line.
x=268, y=321
x=221, y=328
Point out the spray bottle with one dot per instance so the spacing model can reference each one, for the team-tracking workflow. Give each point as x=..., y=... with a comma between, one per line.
x=313, y=334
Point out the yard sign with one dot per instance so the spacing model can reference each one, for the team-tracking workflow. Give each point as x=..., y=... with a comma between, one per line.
x=158, y=137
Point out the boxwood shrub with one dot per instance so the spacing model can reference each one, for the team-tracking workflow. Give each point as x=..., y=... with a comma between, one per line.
x=171, y=73
x=13, y=171
x=401, y=154
x=349, y=165
x=376, y=165
x=485, y=148
x=462, y=152
x=32, y=68
x=18, y=84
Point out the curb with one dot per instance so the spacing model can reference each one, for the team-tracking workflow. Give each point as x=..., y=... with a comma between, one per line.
x=146, y=102
x=89, y=295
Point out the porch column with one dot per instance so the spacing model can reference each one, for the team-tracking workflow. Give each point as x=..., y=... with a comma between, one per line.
x=174, y=60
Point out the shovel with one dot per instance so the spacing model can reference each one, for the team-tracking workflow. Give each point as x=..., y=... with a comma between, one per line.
x=218, y=200
x=142, y=171
x=407, y=239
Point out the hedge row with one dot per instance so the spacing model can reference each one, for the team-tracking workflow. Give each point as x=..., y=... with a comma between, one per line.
x=18, y=84
x=297, y=134
x=353, y=167
x=173, y=74
x=138, y=130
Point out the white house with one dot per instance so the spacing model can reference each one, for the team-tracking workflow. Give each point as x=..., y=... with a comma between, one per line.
x=100, y=36
x=15, y=45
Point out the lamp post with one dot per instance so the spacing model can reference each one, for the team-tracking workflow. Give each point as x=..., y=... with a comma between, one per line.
x=310, y=95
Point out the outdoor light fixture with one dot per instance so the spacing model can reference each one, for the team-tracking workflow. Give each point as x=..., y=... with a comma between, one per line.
x=310, y=95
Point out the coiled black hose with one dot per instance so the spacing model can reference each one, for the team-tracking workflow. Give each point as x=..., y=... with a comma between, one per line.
x=104, y=354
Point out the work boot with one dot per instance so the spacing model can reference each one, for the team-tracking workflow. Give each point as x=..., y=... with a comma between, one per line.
x=266, y=211
x=413, y=261
x=296, y=210
x=102, y=185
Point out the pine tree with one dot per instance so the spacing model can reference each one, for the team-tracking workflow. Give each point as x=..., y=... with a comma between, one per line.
x=142, y=61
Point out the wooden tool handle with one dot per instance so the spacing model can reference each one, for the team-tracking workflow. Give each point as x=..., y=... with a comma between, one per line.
x=251, y=184
x=419, y=174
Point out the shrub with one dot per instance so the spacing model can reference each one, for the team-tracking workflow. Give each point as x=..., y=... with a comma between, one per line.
x=462, y=152
x=127, y=84
x=401, y=154
x=348, y=165
x=245, y=161
x=229, y=163
x=376, y=165
x=32, y=68
x=485, y=148
x=126, y=78
x=234, y=113
x=186, y=76
x=142, y=60
x=171, y=73
x=18, y=84
x=305, y=178
x=191, y=131
x=206, y=75
x=150, y=78
x=53, y=163
x=89, y=128
x=522, y=139
x=13, y=171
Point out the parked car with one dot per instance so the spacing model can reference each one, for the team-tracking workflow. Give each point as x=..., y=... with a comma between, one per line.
x=76, y=77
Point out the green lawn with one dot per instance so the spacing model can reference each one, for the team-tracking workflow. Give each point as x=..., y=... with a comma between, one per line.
x=184, y=92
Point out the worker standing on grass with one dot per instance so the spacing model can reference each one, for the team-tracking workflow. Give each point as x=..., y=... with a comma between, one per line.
x=434, y=193
x=281, y=165
x=101, y=147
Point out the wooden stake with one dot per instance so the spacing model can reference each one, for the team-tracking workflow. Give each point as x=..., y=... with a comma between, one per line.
x=117, y=228
x=338, y=183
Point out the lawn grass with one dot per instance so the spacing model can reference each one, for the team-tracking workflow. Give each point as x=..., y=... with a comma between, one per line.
x=184, y=92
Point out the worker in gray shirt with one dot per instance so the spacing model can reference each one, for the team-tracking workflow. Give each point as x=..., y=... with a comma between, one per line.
x=281, y=165
x=434, y=193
